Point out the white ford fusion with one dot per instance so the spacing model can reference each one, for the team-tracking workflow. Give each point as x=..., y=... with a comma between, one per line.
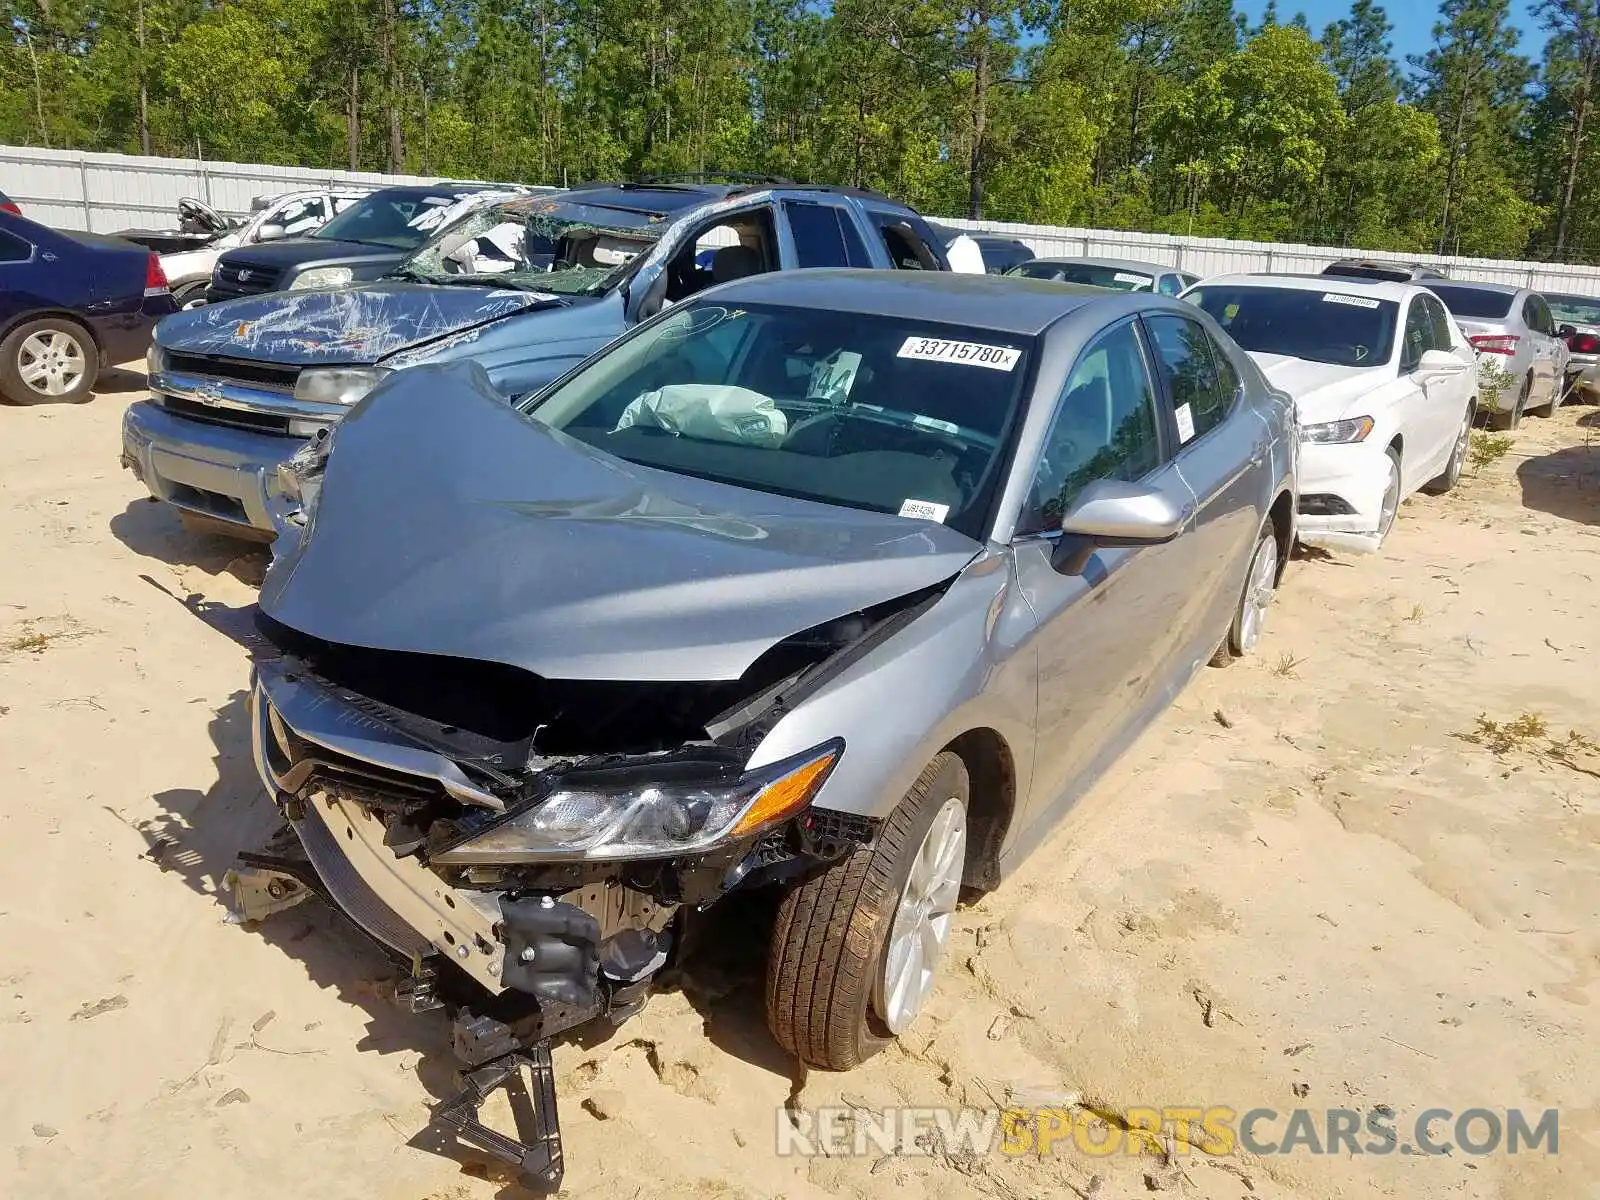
x=1385, y=389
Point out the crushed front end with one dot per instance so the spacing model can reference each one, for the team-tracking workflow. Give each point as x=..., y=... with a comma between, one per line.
x=524, y=849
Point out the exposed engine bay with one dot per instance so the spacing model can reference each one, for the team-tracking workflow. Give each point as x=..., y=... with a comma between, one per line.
x=526, y=850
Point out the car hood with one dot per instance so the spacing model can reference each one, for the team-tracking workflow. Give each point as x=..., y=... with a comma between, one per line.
x=289, y=252
x=1321, y=391
x=500, y=540
x=340, y=325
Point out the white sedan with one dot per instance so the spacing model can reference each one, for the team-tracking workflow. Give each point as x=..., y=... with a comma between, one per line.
x=1385, y=388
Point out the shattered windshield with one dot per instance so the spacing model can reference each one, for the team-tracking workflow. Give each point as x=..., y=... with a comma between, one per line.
x=891, y=414
x=539, y=243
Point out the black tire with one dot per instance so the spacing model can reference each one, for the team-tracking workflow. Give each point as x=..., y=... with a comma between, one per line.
x=1233, y=643
x=193, y=290
x=832, y=930
x=1451, y=475
x=1504, y=421
x=17, y=391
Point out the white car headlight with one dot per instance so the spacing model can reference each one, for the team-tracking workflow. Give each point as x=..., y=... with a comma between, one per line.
x=634, y=819
x=155, y=361
x=338, y=385
x=319, y=277
x=1329, y=433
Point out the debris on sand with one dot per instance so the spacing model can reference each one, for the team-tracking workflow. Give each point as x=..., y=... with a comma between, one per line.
x=99, y=1008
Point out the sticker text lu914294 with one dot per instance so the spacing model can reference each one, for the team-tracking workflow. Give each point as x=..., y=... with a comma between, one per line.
x=971, y=354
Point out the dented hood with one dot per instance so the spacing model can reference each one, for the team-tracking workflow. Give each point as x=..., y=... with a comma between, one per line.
x=349, y=325
x=487, y=536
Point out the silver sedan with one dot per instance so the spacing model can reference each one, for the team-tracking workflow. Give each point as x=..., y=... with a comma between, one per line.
x=850, y=582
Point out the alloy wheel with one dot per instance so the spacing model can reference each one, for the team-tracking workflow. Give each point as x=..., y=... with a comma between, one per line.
x=921, y=928
x=1258, y=592
x=1391, y=500
x=51, y=362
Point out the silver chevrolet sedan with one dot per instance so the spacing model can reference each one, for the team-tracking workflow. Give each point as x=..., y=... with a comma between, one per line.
x=848, y=583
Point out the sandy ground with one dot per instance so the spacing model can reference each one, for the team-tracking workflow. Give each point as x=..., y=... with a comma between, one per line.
x=1302, y=887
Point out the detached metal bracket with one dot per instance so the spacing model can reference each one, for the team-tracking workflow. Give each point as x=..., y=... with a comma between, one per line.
x=538, y=1159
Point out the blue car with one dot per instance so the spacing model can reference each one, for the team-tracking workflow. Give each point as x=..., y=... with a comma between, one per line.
x=70, y=304
x=526, y=288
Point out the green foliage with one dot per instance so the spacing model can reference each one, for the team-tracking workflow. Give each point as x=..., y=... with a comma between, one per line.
x=1166, y=115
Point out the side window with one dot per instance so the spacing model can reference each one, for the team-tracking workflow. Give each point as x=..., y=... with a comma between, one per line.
x=1418, y=335
x=13, y=249
x=1547, y=323
x=300, y=215
x=340, y=203
x=1104, y=428
x=906, y=249
x=1444, y=337
x=737, y=246
x=1198, y=375
x=818, y=241
x=1536, y=316
x=855, y=250
x=1169, y=285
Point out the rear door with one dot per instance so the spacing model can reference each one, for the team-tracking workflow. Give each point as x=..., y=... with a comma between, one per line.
x=822, y=233
x=1426, y=412
x=1100, y=630
x=1546, y=368
x=1220, y=447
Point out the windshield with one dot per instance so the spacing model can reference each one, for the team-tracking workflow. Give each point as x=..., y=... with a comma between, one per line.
x=538, y=243
x=1574, y=310
x=402, y=220
x=893, y=415
x=1473, y=302
x=1120, y=279
x=1326, y=327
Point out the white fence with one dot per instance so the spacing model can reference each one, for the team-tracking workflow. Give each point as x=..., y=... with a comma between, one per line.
x=104, y=192
x=71, y=189
x=1216, y=256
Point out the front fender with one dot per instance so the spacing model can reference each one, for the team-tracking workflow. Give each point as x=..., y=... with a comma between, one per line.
x=954, y=669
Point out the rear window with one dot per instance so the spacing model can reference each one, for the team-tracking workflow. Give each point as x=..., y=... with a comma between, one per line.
x=1473, y=302
x=1121, y=279
x=1574, y=310
x=1357, y=271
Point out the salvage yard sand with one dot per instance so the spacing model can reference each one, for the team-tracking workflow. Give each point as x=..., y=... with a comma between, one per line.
x=1320, y=880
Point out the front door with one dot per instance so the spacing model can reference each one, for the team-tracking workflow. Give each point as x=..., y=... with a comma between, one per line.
x=1099, y=628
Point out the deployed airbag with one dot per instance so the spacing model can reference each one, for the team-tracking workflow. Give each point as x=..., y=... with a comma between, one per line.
x=712, y=412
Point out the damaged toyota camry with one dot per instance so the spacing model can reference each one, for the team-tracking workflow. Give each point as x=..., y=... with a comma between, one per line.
x=840, y=582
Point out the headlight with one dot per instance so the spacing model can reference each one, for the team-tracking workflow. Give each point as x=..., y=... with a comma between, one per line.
x=300, y=476
x=337, y=385
x=322, y=277
x=155, y=361
x=1329, y=433
x=644, y=821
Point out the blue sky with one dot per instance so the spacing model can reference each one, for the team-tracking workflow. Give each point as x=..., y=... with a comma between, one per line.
x=1413, y=20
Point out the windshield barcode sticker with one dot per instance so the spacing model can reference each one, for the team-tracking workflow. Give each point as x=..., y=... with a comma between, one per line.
x=973, y=354
x=1129, y=277
x=925, y=510
x=1353, y=301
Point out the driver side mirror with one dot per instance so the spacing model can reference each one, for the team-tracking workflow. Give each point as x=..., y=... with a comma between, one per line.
x=1110, y=512
x=270, y=232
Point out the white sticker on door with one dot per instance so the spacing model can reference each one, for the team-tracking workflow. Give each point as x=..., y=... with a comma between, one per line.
x=1352, y=301
x=925, y=510
x=1185, y=423
x=972, y=354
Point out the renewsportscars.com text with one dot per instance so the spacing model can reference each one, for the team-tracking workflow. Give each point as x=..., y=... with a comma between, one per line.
x=1216, y=1130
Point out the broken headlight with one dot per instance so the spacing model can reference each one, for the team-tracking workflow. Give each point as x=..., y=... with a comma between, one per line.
x=300, y=475
x=646, y=821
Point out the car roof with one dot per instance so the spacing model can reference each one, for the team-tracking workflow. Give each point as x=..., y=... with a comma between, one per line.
x=1004, y=304
x=1382, y=289
x=1149, y=268
x=669, y=196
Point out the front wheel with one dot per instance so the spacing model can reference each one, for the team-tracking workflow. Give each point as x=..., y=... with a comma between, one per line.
x=857, y=946
x=1250, y=616
x=1451, y=475
x=196, y=290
